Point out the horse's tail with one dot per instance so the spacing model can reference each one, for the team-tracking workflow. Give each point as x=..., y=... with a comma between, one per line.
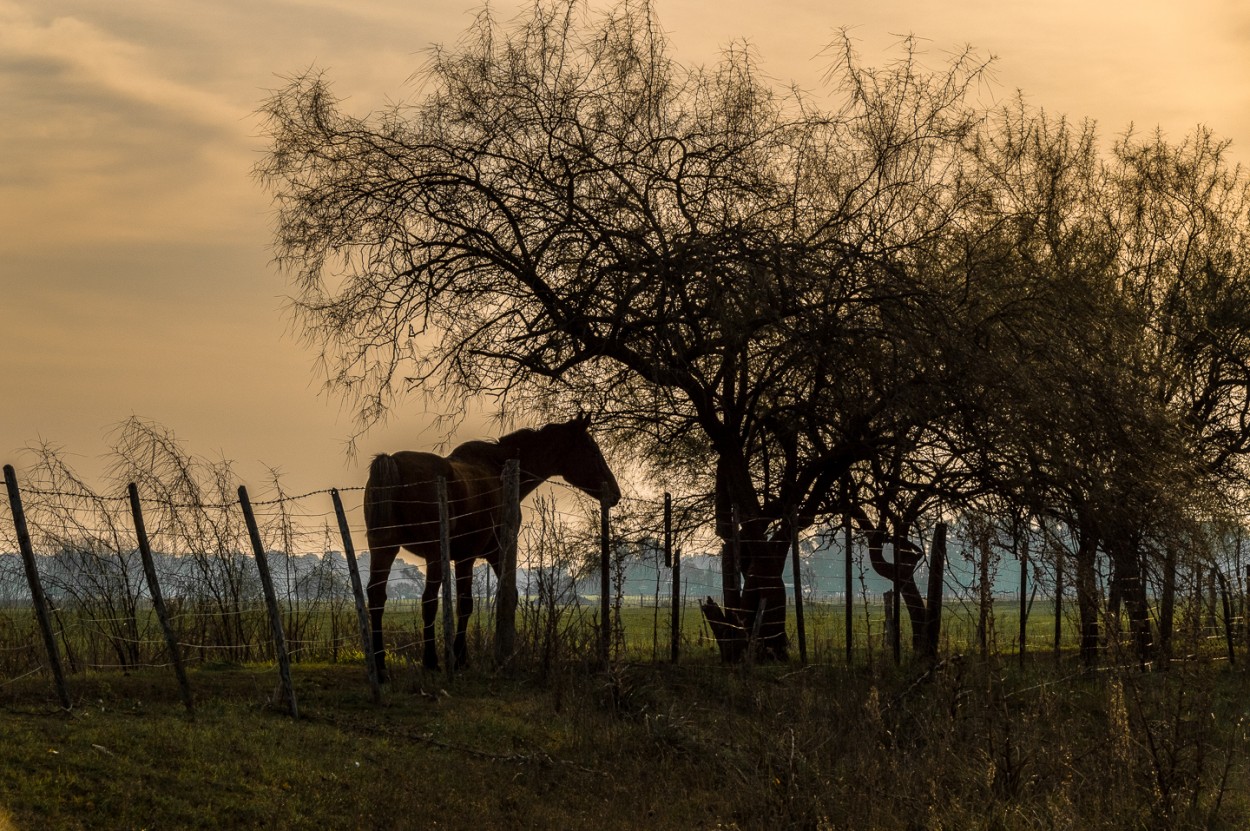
x=380, y=492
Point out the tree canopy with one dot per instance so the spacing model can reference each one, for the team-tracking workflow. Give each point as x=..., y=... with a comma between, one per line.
x=888, y=300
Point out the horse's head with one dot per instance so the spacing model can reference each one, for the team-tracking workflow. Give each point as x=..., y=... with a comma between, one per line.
x=581, y=462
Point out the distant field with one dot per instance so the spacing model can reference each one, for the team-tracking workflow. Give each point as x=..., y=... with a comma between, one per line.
x=90, y=638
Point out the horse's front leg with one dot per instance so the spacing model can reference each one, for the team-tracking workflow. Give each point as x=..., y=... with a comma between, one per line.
x=429, y=612
x=464, y=607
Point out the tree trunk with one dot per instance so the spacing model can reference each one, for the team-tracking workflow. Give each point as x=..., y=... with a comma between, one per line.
x=1132, y=590
x=764, y=584
x=761, y=561
x=902, y=573
x=937, y=572
x=1087, y=598
x=1167, y=602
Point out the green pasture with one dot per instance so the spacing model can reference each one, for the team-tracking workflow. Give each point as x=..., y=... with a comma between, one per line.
x=558, y=740
x=550, y=634
x=971, y=745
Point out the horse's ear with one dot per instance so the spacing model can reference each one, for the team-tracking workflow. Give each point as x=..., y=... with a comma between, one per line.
x=583, y=419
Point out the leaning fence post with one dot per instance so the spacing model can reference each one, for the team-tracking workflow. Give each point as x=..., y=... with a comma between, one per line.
x=271, y=601
x=449, y=578
x=800, y=626
x=358, y=592
x=605, y=578
x=37, y=596
x=158, y=600
x=506, y=595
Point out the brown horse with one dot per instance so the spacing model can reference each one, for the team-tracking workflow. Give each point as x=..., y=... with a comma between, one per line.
x=401, y=511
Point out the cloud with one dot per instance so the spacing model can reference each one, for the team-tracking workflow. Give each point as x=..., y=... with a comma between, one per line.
x=100, y=141
x=85, y=56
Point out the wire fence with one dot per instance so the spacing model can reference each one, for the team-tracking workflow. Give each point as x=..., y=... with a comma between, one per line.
x=1001, y=593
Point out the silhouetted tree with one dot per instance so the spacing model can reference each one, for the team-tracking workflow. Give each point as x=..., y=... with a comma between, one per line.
x=762, y=293
x=739, y=281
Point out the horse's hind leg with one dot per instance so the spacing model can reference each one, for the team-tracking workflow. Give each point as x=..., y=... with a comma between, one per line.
x=380, y=560
x=429, y=612
x=464, y=608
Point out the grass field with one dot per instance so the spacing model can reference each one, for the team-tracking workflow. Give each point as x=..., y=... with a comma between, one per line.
x=971, y=743
x=967, y=745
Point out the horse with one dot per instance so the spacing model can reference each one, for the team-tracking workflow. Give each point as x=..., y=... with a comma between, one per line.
x=402, y=511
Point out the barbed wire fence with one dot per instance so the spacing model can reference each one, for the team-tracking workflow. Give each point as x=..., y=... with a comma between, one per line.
x=584, y=596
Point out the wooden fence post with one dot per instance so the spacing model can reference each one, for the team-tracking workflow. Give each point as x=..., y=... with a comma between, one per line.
x=673, y=560
x=891, y=622
x=506, y=595
x=799, y=623
x=731, y=582
x=985, y=597
x=1058, y=601
x=38, y=599
x=1228, y=617
x=1024, y=589
x=896, y=636
x=850, y=594
x=271, y=601
x=605, y=579
x=358, y=592
x=449, y=578
x=753, y=638
x=158, y=599
x=1211, y=622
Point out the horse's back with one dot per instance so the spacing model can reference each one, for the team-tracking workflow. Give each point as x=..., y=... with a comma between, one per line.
x=401, y=500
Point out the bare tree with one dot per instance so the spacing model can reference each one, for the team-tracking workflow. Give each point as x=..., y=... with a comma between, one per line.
x=739, y=281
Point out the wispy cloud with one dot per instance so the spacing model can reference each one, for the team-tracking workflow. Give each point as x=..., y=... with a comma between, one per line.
x=87, y=57
x=101, y=142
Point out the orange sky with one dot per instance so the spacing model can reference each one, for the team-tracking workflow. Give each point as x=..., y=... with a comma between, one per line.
x=134, y=262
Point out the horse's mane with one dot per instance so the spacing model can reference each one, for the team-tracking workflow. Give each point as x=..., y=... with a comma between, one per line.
x=496, y=451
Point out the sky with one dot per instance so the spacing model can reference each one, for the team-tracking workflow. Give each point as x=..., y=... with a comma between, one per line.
x=135, y=260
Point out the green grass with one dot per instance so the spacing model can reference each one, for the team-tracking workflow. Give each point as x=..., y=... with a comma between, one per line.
x=969, y=745
x=972, y=743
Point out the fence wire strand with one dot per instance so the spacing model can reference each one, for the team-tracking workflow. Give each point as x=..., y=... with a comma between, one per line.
x=88, y=559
